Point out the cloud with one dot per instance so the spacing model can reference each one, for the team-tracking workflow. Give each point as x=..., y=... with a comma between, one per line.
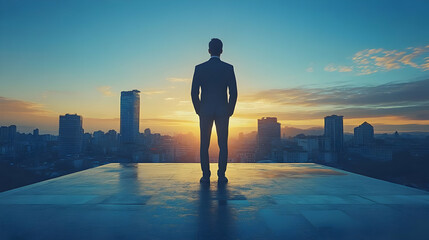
x=374, y=60
x=408, y=100
x=309, y=69
x=172, y=79
x=333, y=68
x=330, y=68
x=425, y=65
x=345, y=69
x=401, y=128
x=388, y=61
x=106, y=91
x=13, y=106
x=27, y=116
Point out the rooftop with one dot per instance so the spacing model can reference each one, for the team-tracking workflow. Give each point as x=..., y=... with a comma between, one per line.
x=261, y=201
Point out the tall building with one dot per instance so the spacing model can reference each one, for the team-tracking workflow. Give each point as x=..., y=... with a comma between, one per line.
x=7, y=134
x=268, y=133
x=130, y=116
x=4, y=134
x=334, y=135
x=70, y=134
x=364, y=134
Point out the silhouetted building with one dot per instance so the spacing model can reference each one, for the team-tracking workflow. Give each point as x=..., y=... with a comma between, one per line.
x=310, y=144
x=70, y=134
x=4, y=134
x=111, y=136
x=12, y=133
x=7, y=134
x=364, y=134
x=111, y=140
x=130, y=116
x=36, y=132
x=98, y=137
x=268, y=134
x=334, y=136
x=86, y=142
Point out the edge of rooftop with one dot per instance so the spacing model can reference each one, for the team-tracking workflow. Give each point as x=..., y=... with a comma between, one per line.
x=47, y=181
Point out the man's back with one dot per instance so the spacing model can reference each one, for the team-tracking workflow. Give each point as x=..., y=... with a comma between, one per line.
x=214, y=77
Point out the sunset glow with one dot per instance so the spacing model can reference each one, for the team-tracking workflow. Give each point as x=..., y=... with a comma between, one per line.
x=298, y=64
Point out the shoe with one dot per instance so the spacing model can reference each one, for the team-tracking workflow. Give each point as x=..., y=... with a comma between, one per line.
x=222, y=180
x=205, y=179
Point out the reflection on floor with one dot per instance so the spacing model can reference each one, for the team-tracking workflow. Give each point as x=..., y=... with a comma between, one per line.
x=261, y=201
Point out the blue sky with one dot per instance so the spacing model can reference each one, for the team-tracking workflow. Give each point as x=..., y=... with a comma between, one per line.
x=76, y=56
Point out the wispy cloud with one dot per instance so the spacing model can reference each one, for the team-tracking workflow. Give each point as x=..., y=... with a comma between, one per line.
x=13, y=106
x=333, y=68
x=27, y=115
x=425, y=65
x=409, y=100
x=173, y=79
x=374, y=60
x=309, y=69
x=106, y=91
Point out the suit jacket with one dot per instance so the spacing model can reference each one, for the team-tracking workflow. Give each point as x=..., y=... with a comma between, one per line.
x=214, y=77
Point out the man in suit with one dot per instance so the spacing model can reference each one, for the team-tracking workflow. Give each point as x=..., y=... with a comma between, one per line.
x=215, y=78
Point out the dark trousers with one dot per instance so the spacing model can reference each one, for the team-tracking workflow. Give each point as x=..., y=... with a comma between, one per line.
x=206, y=124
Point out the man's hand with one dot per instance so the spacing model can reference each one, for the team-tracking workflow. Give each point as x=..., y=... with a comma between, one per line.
x=230, y=112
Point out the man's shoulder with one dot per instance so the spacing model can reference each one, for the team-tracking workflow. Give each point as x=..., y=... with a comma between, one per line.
x=208, y=63
x=227, y=64
x=202, y=64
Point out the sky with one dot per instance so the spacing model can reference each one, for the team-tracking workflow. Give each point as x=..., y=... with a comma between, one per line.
x=295, y=60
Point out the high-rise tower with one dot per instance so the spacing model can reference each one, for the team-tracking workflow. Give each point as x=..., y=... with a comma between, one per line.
x=130, y=116
x=268, y=133
x=70, y=134
x=334, y=133
x=364, y=134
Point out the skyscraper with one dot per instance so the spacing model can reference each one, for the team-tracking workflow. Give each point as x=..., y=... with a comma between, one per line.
x=334, y=133
x=130, y=116
x=70, y=134
x=364, y=134
x=268, y=133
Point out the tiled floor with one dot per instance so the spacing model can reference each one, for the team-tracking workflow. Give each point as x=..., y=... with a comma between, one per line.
x=261, y=201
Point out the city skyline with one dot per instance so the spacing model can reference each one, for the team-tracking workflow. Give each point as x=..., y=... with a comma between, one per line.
x=214, y=119
x=297, y=61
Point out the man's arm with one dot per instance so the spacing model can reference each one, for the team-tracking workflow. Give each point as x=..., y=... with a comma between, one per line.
x=195, y=92
x=232, y=86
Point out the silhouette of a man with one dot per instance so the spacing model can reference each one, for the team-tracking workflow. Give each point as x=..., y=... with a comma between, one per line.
x=216, y=79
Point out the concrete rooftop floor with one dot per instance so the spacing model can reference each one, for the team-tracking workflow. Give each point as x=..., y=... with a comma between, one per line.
x=261, y=201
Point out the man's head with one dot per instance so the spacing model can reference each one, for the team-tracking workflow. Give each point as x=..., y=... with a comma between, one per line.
x=215, y=47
